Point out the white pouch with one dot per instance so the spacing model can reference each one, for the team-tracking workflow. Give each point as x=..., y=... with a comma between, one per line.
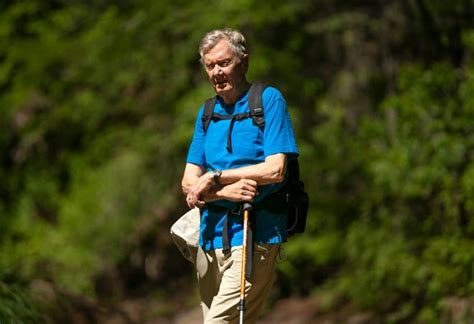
x=185, y=234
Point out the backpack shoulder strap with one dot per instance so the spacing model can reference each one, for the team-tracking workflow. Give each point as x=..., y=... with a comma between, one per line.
x=208, y=110
x=255, y=104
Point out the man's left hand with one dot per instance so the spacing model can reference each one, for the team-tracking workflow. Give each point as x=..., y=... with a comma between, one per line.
x=195, y=197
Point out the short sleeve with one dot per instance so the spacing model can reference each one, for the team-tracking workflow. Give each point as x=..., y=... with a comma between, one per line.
x=278, y=134
x=196, y=149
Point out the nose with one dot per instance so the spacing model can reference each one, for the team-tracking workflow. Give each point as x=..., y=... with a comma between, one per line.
x=217, y=70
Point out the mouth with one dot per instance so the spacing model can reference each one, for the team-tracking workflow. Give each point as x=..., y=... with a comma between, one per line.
x=221, y=84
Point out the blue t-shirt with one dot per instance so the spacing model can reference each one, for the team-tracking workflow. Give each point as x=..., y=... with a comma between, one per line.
x=250, y=145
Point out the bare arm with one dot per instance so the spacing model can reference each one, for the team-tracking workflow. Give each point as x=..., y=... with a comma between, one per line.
x=243, y=190
x=272, y=170
x=237, y=184
x=192, y=173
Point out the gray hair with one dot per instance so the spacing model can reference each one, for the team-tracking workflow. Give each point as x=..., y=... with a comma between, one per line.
x=234, y=37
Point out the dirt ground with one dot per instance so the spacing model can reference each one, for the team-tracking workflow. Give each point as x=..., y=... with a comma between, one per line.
x=291, y=311
x=184, y=310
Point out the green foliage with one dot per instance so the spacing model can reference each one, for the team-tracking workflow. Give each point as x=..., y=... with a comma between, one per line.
x=409, y=245
x=16, y=306
x=391, y=273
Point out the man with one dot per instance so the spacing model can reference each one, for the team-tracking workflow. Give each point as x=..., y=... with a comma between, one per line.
x=232, y=162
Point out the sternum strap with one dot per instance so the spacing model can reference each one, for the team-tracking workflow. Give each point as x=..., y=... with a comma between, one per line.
x=232, y=118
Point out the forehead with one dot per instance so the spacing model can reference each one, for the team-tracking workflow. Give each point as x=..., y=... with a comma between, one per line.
x=221, y=50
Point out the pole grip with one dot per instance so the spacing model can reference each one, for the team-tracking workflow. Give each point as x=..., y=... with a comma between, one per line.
x=247, y=206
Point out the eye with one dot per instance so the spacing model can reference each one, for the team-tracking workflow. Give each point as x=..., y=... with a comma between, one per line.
x=210, y=66
x=226, y=63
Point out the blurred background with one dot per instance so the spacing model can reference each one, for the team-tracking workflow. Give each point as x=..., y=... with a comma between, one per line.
x=97, y=107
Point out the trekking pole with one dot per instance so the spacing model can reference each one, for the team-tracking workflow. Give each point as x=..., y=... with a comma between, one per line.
x=247, y=207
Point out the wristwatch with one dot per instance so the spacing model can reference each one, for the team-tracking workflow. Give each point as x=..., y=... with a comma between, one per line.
x=216, y=174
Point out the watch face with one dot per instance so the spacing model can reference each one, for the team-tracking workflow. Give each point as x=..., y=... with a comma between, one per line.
x=216, y=175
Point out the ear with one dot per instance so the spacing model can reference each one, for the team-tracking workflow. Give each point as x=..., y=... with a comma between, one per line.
x=245, y=62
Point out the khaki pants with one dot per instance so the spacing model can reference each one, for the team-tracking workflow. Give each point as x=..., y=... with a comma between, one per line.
x=219, y=288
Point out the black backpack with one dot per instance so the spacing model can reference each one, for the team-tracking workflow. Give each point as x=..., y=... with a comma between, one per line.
x=292, y=195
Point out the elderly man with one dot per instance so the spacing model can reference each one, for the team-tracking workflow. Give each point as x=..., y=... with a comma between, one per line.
x=231, y=161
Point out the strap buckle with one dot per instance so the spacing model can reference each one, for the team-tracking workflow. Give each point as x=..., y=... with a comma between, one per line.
x=237, y=210
x=258, y=112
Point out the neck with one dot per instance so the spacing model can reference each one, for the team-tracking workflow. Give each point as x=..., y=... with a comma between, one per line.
x=231, y=98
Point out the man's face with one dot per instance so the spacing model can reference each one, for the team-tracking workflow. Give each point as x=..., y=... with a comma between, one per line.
x=225, y=70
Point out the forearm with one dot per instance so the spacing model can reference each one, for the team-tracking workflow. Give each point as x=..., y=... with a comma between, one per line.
x=215, y=193
x=187, y=184
x=272, y=170
x=192, y=173
x=243, y=190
